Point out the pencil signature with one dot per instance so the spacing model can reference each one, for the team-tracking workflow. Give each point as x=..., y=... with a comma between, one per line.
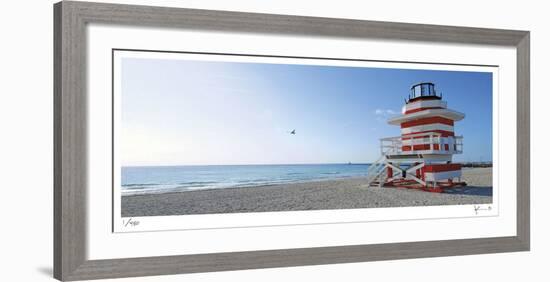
x=479, y=208
x=130, y=222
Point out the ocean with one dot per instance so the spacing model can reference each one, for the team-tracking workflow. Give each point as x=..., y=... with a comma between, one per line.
x=164, y=179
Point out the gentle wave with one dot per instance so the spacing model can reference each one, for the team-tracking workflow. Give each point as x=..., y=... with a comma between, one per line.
x=152, y=180
x=197, y=182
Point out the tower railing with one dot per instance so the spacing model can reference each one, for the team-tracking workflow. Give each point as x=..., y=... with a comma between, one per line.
x=421, y=143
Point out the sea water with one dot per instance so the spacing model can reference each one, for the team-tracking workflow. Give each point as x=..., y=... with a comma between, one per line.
x=163, y=179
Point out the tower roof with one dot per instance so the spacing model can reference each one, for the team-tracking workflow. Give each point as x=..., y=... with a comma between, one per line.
x=423, y=91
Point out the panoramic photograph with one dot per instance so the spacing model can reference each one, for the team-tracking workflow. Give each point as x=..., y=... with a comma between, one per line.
x=217, y=136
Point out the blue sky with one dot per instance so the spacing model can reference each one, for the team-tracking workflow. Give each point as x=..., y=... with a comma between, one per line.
x=182, y=112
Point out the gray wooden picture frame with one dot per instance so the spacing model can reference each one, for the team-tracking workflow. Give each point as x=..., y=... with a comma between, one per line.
x=70, y=135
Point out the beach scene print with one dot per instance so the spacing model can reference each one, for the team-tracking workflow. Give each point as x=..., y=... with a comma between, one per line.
x=223, y=135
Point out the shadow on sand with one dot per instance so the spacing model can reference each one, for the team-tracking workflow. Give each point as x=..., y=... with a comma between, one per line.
x=471, y=190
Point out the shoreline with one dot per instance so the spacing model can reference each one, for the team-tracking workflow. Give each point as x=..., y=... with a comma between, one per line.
x=326, y=194
x=251, y=186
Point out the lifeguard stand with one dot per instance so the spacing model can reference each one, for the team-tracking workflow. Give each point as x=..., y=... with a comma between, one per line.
x=421, y=157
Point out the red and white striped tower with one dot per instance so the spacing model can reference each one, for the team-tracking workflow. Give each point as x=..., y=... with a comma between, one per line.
x=422, y=156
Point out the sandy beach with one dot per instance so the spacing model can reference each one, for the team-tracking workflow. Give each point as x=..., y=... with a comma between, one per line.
x=345, y=193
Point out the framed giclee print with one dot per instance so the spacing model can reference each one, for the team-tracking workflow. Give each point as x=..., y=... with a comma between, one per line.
x=193, y=140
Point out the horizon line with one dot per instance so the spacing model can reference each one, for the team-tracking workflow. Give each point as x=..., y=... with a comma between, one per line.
x=265, y=164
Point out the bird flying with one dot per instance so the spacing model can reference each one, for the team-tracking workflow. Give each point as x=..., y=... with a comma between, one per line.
x=293, y=132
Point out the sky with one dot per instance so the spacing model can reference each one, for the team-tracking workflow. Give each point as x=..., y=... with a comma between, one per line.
x=183, y=112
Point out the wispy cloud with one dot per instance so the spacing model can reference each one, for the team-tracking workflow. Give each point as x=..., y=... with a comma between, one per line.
x=384, y=114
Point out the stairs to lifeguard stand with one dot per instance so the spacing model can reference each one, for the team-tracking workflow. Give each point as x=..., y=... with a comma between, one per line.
x=376, y=175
